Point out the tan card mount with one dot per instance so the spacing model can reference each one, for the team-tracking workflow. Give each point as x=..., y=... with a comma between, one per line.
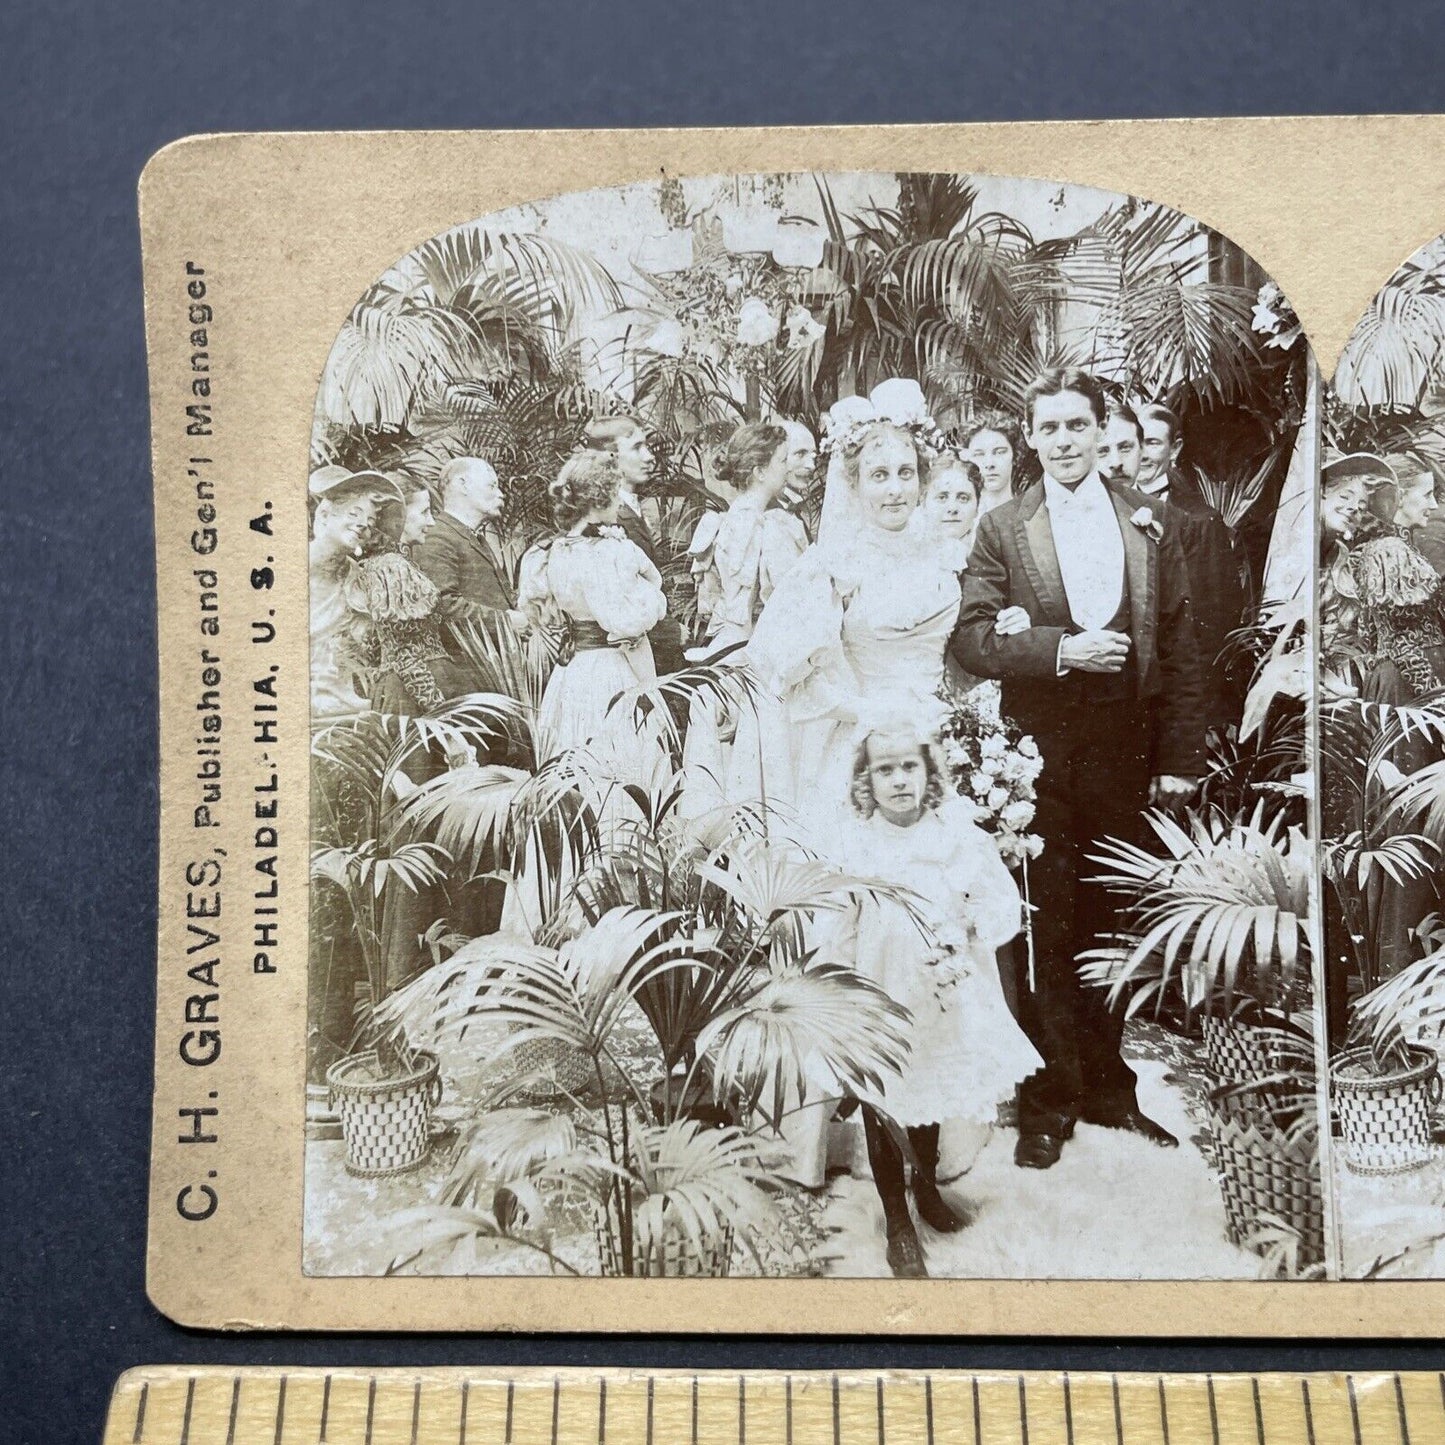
x=572, y=550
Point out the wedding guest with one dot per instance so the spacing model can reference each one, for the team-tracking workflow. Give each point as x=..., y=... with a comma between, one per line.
x=738, y=556
x=472, y=590
x=802, y=461
x=1397, y=602
x=1161, y=442
x=1120, y=453
x=597, y=589
x=1422, y=517
x=410, y=670
x=993, y=443
x=624, y=438
x=935, y=957
x=344, y=507
x=1151, y=440
x=951, y=504
x=1346, y=482
x=1414, y=505
x=410, y=673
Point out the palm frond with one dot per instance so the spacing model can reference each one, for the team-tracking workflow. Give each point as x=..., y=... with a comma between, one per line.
x=823, y=1018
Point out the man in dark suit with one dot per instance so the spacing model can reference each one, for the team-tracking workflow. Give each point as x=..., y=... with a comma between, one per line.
x=461, y=565
x=1216, y=593
x=1106, y=679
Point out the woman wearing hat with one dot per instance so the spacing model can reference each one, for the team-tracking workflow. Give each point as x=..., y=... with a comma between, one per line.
x=410, y=669
x=344, y=508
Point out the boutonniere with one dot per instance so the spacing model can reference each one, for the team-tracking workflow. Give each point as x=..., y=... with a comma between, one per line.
x=1145, y=520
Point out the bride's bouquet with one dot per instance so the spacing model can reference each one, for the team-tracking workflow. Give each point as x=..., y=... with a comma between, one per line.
x=993, y=767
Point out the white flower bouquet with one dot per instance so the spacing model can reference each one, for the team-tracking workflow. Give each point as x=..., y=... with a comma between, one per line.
x=993, y=767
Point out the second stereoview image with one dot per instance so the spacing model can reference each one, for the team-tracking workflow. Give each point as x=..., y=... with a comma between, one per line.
x=809, y=686
x=1382, y=732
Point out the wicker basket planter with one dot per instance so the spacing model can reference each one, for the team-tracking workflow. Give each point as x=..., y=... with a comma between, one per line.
x=1240, y=1053
x=563, y=1072
x=677, y=1259
x=1263, y=1173
x=386, y=1122
x=1385, y=1120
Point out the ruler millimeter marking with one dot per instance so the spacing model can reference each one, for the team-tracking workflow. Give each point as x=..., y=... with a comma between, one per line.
x=173, y=1405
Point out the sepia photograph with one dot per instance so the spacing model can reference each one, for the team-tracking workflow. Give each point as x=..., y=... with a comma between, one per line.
x=810, y=764
x=1382, y=758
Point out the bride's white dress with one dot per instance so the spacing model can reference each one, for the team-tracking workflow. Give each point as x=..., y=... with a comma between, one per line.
x=846, y=630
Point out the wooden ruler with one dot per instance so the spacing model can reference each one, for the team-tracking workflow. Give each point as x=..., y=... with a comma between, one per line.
x=173, y=1405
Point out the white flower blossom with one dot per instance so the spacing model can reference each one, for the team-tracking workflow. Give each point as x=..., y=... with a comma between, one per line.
x=1018, y=815
x=900, y=400
x=997, y=798
x=756, y=324
x=666, y=339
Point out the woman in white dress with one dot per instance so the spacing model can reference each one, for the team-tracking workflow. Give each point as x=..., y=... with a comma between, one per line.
x=867, y=612
x=738, y=558
x=598, y=591
x=936, y=957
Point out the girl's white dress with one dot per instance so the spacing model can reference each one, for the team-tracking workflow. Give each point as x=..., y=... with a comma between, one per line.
x=606, y=581
x=967, y=1053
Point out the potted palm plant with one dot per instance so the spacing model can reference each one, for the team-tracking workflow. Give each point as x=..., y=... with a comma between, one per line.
x=661, y=1196
x=1217, y=925
x=382, y=1089
x=1386, y=1083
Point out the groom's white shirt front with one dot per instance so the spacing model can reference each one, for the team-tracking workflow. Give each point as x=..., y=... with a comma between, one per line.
x=1090, y=548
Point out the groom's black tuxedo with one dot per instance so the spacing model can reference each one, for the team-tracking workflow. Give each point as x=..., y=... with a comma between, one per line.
x=1102, y=736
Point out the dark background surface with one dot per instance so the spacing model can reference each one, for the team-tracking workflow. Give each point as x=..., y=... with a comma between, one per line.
x=87, y=93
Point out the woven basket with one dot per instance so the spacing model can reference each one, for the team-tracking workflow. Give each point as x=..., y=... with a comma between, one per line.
x=1385, y=1121
x=564, y=1071
x=386, y=1123
x=1240, y=1053
x=1262, y=1173
x=678, y=1259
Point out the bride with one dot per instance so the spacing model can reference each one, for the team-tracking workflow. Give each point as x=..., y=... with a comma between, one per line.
x=864, y=614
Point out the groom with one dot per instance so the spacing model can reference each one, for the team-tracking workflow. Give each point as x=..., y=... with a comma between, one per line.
x=1106, y=674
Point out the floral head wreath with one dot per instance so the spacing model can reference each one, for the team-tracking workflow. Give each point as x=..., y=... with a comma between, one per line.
x=899, y=715
x=898, y=401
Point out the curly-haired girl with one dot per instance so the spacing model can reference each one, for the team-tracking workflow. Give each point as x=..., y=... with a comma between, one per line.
x=936, y=957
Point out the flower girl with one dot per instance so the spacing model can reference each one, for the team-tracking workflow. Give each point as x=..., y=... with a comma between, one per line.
x=934, y=954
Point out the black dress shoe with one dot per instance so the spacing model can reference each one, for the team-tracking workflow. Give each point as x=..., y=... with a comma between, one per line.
x=905, y=1254
x=1132, y=1121
x=1038, y=1151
